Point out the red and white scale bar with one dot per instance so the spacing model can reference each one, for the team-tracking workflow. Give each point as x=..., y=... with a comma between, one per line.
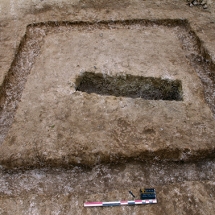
x=120, y=203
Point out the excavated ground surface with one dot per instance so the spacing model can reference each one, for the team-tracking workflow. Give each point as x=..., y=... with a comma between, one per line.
x=64, y=142
x=57, y=125
x=181, y=188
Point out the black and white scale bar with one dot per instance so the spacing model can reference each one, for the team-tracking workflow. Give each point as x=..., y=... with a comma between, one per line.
x=120, y=203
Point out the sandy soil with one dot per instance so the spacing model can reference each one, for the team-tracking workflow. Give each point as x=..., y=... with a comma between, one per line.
x=58, y=125
x=70, y=146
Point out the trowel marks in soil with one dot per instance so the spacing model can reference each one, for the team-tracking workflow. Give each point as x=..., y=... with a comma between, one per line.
x=131, y=86
x=55, y=124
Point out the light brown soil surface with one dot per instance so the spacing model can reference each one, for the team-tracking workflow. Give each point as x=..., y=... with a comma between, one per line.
x=181, y=189
x=70, y=146
x=186, y=198
x=57, y=125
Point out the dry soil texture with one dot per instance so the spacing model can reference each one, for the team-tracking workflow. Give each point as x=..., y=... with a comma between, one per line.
x=57, y=125
x=102, y=97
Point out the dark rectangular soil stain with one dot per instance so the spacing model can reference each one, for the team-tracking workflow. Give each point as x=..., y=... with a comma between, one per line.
x=148, y=88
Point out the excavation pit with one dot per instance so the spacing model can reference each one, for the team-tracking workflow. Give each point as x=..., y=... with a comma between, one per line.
x=59, y=121
x=148, y=88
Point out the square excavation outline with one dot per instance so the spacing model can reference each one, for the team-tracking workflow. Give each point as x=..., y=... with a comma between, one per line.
x=62, y=156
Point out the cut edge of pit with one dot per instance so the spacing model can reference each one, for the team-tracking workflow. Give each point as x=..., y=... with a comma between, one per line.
x=127, y=85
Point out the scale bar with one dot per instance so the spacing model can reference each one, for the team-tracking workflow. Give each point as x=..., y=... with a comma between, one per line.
x=120, y=203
